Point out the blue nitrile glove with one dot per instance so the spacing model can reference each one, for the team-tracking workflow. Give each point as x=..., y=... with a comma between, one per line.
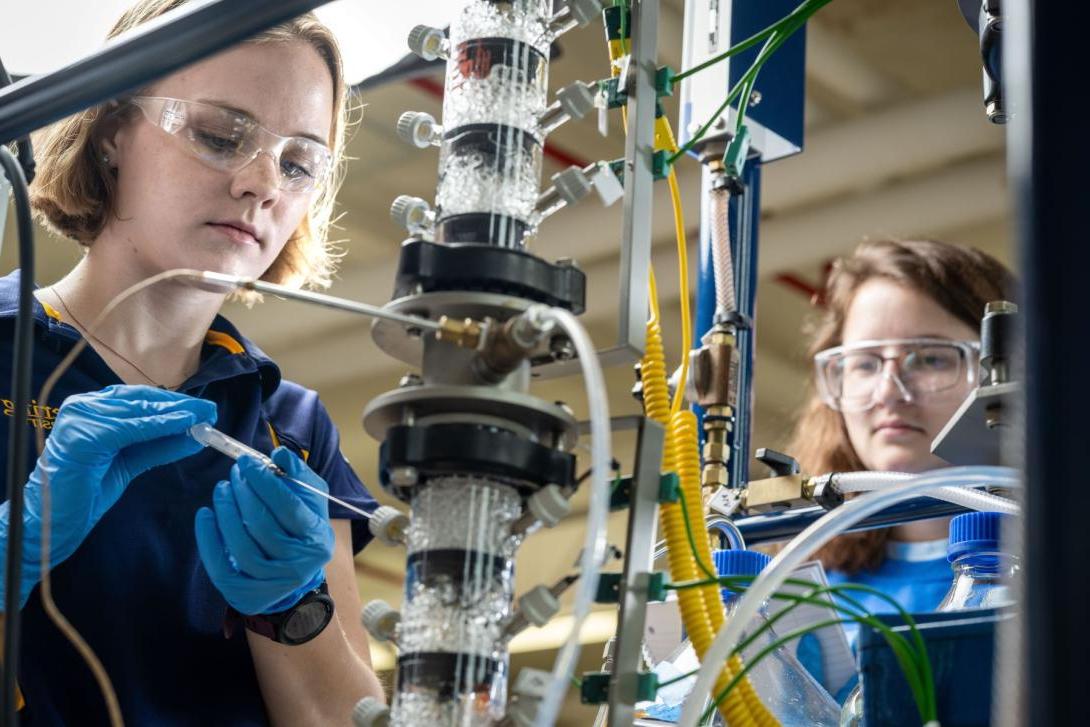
x=100, y=441
x=265, y=540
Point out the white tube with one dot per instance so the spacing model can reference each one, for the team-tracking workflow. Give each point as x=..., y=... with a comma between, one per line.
x=977, y=500
x=594, y=547
x=848, y=482
x=809, y=540
x=722, y=264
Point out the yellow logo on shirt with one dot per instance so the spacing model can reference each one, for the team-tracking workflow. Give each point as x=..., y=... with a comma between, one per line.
x=38, y=416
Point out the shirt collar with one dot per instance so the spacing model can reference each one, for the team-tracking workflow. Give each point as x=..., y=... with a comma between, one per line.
x=226, y=352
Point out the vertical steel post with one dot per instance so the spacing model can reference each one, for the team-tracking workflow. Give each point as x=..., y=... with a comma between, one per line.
x=639, y=546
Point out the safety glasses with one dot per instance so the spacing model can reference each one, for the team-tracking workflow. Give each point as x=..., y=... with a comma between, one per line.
x=228, y=140
x=849, y=377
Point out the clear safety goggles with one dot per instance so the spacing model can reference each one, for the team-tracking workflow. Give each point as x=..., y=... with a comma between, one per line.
x=850, y=377
x=228, y=140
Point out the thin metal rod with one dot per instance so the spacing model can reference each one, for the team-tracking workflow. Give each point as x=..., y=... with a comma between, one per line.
x=329, y=301
x=138, y=57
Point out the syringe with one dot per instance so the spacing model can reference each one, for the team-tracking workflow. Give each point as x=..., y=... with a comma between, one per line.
x=207, y=435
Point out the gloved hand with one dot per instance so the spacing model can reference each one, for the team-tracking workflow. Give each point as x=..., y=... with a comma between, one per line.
x=100, y=441
x=265, y=540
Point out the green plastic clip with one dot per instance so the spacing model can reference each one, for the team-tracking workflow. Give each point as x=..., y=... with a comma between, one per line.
x=595, y=687
x=609, y=588
x=660, y=166
x=734, y=159
x=664, y=81
x=669, y=487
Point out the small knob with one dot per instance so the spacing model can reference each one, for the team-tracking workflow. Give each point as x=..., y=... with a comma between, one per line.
x=417, y=128
x=549, y=505
x=389, y=525
x=410, y=212
x=539, y=605
x=369, y=712
x=427, y=42
x=781, y=464
x=380, y=619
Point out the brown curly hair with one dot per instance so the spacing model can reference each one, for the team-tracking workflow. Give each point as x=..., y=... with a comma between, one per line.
x=73, y=193
x=960, y=279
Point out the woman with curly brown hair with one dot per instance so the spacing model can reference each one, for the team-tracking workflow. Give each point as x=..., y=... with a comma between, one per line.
x=895, y=354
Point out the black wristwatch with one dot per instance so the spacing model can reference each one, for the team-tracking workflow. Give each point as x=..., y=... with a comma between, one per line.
x=296, y=625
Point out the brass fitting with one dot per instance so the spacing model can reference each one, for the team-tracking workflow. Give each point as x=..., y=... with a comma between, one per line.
x=714, y=371
x=777, y=493
x=465, y=333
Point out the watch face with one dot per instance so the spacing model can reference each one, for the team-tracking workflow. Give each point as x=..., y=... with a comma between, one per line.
x=306, y=621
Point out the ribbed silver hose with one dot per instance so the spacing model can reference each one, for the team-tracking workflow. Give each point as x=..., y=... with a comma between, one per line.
x=722, y=263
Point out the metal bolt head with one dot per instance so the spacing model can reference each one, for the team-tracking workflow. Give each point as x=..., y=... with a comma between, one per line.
x=410, y=380
x=561, y=348
x=404, y=476
x=755, y=98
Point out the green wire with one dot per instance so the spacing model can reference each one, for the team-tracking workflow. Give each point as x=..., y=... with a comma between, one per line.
x=692, y=541
x=914, y=663
x=743, y=45
x=791, y=24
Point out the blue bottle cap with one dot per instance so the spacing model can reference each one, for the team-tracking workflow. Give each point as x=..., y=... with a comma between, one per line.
x=739, y=563
x=974, y=532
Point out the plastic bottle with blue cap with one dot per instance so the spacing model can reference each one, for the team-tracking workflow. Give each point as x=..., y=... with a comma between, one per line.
x=982, y=571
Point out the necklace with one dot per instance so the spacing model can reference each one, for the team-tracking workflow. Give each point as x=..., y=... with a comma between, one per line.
x=106, y=346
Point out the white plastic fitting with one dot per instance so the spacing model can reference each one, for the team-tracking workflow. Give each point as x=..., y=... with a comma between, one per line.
x=389, y=525
x=549, y=505
x=539, y=605
x=369, y=712
x=427, y=42
x=380, y=619
x=577, y=99
x=529, y=688
x=410, y=212
x=419, y=129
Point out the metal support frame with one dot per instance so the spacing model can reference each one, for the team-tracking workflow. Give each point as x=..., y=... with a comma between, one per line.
x=745, y=216
x=638, y=196
x=639, y=544
x=142, y=55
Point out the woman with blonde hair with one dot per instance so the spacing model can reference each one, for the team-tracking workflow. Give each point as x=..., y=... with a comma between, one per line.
x=211, y=592
x=895, y=353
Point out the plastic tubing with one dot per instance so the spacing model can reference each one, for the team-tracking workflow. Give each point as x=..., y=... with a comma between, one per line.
x=594, y=547
x=722, y=264
x=809, y=540
x=973, y=499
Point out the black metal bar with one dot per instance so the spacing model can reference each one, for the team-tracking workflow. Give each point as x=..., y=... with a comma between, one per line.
x=745, y=217
x=153, y=50
x=783, y=526
x=1048, y=156
x=22, y=367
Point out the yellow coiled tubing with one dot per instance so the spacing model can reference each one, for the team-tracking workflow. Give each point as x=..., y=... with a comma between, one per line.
x=701, y=608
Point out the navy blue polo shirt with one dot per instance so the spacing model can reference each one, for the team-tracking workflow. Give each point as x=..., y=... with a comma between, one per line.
x=136, y=589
